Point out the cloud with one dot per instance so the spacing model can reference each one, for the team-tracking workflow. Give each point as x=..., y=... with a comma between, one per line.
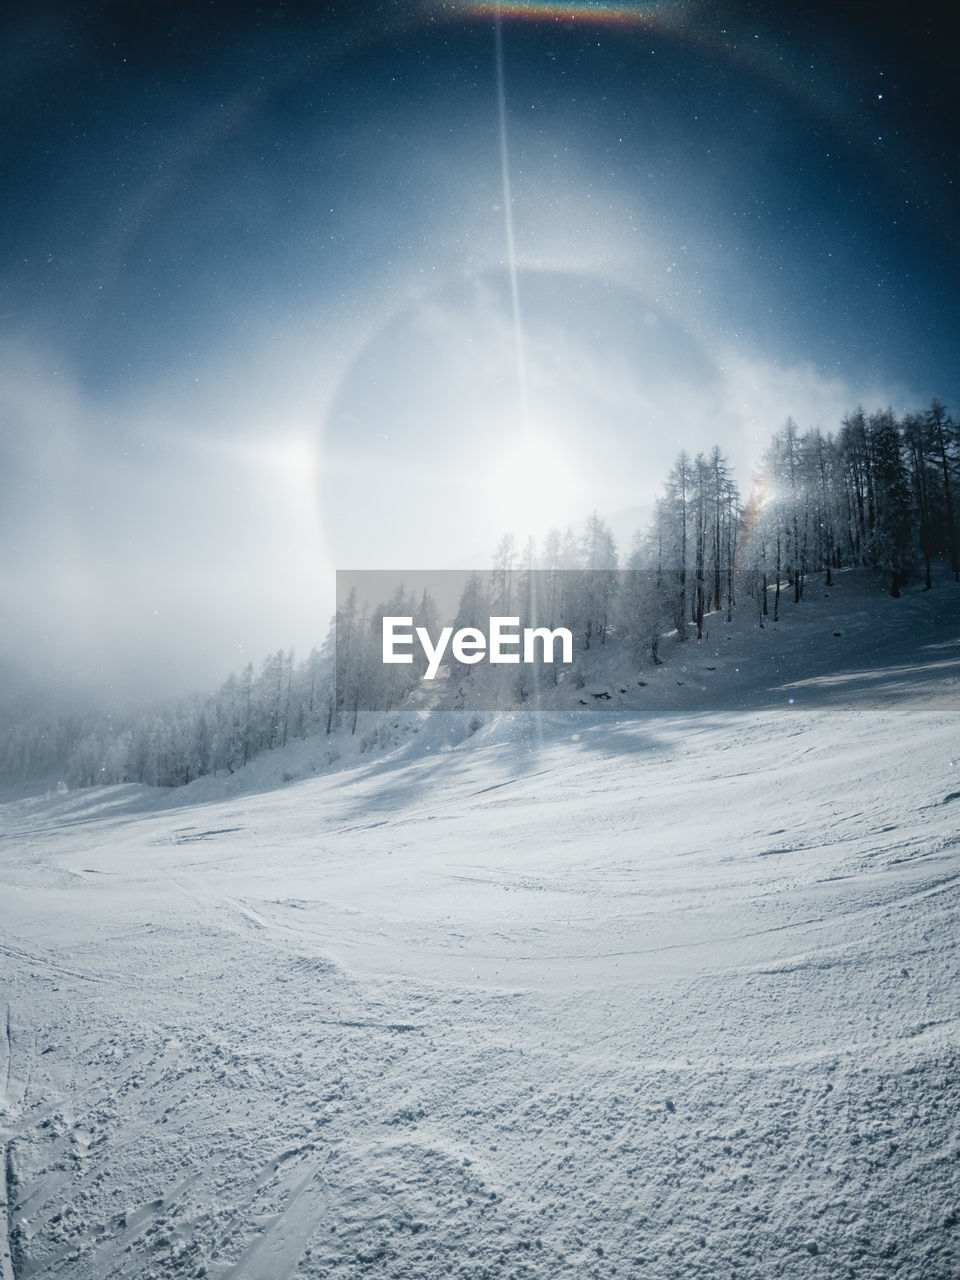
x=155, y=541
x=155, y=548
x=759, y=396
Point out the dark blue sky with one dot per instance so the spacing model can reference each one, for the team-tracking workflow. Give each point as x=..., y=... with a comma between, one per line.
x=235, y=228
x=177, y=174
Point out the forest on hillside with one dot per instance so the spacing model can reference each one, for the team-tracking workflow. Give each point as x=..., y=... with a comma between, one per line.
x=880, y=494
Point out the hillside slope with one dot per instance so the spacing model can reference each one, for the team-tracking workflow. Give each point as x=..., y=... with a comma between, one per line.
x=662, y=993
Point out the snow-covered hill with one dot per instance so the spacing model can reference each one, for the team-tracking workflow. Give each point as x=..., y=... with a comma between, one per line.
x=664, y=988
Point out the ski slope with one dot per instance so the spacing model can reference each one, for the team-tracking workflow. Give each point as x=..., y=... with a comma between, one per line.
x=661, y=993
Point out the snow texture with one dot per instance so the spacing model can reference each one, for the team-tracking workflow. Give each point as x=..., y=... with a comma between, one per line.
x=662, y=993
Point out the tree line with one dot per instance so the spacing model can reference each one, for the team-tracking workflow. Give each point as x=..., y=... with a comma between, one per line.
x=880, y=493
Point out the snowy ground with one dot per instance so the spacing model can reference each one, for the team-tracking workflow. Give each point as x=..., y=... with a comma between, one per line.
x=669, y=995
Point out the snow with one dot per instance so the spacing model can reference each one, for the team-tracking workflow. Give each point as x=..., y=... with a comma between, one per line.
x=663, y=990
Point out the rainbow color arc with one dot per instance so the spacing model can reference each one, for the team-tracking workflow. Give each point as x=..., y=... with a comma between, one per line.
x=573, y=10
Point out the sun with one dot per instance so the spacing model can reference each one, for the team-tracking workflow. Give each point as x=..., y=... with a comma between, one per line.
x=532, y=486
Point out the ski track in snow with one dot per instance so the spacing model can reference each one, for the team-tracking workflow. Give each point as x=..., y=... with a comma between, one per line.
x=671, y=1001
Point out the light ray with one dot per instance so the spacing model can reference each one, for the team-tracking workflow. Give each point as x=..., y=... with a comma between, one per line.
x=508, y=220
